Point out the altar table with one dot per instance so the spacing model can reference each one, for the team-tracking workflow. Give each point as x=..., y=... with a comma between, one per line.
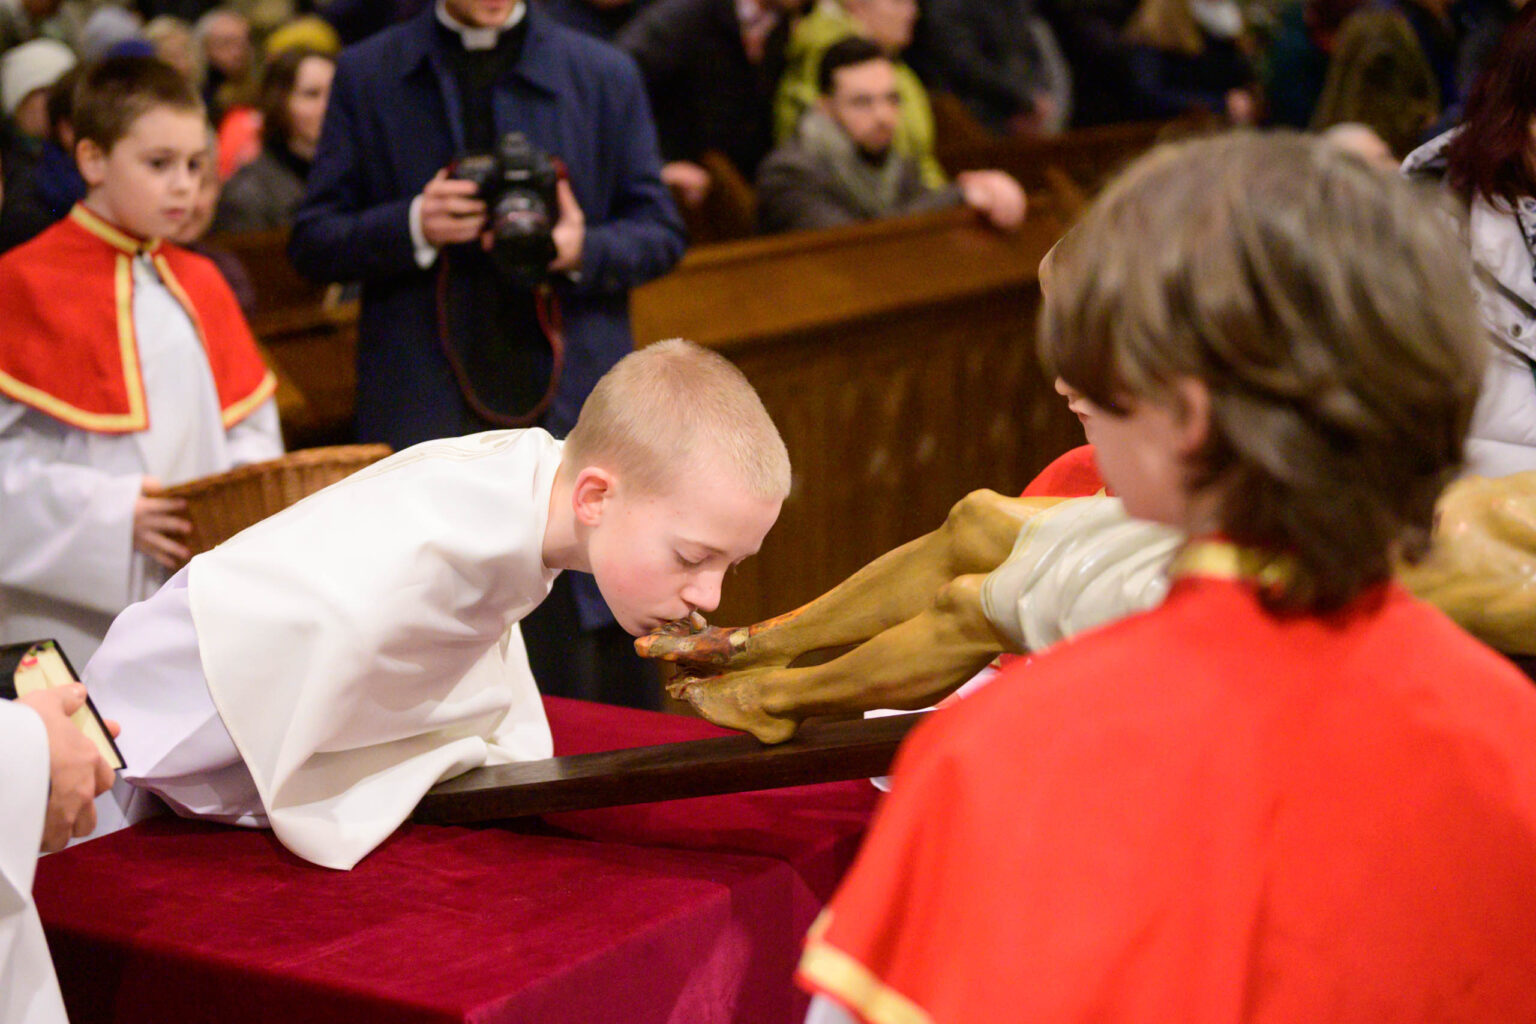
x=685, y=911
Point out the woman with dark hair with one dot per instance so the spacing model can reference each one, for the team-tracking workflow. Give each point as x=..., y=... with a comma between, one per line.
x=1490, y=162
x=262, y=195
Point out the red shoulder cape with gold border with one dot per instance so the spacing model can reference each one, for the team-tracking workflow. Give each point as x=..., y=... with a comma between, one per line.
x=69, y=348
x=1205, y=814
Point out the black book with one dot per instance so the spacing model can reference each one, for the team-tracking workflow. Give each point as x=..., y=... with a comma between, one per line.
x=41, y=664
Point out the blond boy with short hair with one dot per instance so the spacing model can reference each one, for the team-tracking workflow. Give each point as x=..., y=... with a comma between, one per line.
x=318, y=672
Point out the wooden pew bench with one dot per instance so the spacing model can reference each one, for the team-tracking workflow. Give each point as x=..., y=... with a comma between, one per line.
x=308, y=335
x=1087, y=158
x=897, y=359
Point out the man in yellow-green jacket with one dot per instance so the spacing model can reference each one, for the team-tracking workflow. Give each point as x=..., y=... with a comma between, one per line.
x=888, y=23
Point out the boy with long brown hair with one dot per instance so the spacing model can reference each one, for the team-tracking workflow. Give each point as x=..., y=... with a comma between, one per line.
x=1290, y=791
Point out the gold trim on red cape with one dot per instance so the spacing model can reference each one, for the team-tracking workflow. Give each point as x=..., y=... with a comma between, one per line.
x=1224, y=560
x=94, y=382
x=841, y=976
x=830, y=970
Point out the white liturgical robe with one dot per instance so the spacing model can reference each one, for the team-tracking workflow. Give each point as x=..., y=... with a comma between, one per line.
x=358, y=647
x=29, y=994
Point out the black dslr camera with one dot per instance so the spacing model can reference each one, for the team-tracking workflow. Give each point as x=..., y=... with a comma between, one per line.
x=517, y=183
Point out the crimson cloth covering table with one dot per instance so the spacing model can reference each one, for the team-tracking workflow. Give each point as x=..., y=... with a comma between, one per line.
x=686, y=911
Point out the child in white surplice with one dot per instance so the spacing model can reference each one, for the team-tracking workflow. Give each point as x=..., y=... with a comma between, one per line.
x=318, y=672
x=125, y=366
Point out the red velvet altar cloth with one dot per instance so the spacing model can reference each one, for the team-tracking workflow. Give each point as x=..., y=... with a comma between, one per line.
x=687, y=911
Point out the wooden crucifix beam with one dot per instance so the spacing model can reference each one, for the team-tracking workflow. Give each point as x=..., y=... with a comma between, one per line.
x=821, y=751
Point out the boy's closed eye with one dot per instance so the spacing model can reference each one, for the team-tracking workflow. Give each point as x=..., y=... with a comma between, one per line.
x=690, y=560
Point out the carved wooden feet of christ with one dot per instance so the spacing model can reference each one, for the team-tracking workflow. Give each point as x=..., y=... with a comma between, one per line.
x=919, y=621
x=722, y=673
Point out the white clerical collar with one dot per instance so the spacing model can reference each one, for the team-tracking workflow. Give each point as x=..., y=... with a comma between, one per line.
x=478, y=38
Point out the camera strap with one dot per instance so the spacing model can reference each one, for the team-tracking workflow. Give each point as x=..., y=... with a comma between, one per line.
x=492, y=362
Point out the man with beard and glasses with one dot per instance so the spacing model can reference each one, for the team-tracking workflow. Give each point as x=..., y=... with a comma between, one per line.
x=841, y=167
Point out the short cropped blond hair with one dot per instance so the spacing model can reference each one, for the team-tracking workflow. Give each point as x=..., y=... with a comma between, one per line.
x=1327, y=308
x=676, y=406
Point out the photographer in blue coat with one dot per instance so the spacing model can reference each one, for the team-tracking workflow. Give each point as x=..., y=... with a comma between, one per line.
x=450, y=341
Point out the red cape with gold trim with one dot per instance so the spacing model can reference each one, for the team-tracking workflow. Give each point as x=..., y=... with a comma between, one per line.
x=1207, y=814
x=69, y=348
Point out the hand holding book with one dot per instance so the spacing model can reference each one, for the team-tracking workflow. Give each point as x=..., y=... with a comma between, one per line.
x=77, y=772
x=40, y=665
x=81, y=753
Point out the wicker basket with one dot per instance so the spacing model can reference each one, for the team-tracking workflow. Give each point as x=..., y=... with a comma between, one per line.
x=222, y=505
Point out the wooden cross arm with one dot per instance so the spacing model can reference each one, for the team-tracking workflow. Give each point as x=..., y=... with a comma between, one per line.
x=824, y=751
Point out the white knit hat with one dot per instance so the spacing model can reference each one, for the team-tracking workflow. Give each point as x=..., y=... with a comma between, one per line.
x=29, y=67
x=106, y=28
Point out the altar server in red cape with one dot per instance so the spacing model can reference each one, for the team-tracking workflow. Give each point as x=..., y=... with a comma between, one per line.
x=125, y=366
x=1290, y=792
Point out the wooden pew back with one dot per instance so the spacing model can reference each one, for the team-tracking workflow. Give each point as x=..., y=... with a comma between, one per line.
x=1089, y=157
x=897, y=359
x=308, y=335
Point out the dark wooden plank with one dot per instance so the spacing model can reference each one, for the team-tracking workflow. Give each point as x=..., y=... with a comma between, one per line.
x=1090, y=156
x=759, y=291
x=824, y=751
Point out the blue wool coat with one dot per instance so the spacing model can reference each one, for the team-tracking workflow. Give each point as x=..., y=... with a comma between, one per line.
x=393, y=122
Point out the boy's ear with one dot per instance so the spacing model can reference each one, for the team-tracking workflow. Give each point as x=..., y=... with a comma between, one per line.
x=1195, y=414
x=1047, y=268
x=92, y=162
x=592, y=490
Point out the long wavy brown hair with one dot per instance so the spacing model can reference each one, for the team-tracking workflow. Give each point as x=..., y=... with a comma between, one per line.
x=1493, y=156
x=279, y=77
